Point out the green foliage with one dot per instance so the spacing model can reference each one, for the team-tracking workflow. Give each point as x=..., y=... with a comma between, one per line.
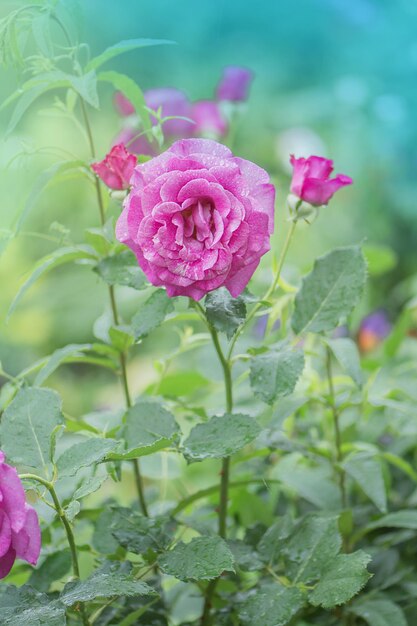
x=271, y=605
x=112, y=579
x=204, y=558
x=329, y=293
x=26, y=607
x=379, y=612
x=27, y=425
x=344, y=578
x=274, y=374
x=121, y=269
x=225, y=313
x=151, y=313
x=121, y=48
x=346, y=352
x=367, y=472
x=221, y=436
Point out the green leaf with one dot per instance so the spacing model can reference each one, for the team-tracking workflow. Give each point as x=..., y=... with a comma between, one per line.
x=313, y=545
x=312, y=481
x=367, y=473
x=132, y=91
x=57, y=358
x=84, y=454
x=48, y=263
x=204, y=558
x=225, y=313
x=53, y=568
x=330, y=291
x=271, y=605
x=377, y=612
x=113, y=579
x=346, y=352
x=399, y=519
x=138, y=534
x=24, y=606
x=342, y=580
x=122, y=269
x=149, y=427
x=26, y=427
x=221, y=436
x=274, y=374
x=151, y=313
x=121, y=338
x=272, y=542
x=121, y=48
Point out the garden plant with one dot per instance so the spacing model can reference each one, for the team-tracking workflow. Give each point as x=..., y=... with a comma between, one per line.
x=284, y=485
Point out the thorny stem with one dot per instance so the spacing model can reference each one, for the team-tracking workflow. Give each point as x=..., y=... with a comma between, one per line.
x=225, y=471
x=115, y=313
x=336, y=424
x=67, y=526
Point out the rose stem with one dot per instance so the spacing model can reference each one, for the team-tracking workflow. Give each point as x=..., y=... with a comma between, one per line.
x=70, y=535
x=336, y=424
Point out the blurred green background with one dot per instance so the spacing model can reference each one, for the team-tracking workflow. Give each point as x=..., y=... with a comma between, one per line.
x=332, y=77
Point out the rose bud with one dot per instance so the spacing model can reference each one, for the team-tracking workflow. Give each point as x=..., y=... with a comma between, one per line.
x=208, y=119
x=198, y=218
x=234, y=84
x=373, y=330
x=311, y=186
x=20, y=535
x=116, y=169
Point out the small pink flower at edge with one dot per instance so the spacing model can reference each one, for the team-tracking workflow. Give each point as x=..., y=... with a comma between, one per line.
x=311, y=182
x=116, y=169
x=20, y=535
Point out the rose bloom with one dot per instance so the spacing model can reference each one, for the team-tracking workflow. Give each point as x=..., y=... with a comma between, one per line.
x=198, y=217
x=20, y=535
x=234, y=84
x=116, y=169
x=208, y=119
x=311, y=182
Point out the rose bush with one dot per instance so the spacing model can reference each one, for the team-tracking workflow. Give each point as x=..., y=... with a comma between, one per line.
x=20, y=535
x=197, y=218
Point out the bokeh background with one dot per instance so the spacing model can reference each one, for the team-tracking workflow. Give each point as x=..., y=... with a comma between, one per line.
x=332, y=77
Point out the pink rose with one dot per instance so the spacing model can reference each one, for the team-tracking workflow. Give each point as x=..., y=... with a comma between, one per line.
x=311, y=182
x=20, y=535
x=234, y=84
x=198, y=217
x=208, y=119
x=116, y=169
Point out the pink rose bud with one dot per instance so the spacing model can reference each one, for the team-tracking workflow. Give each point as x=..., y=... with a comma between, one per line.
x=20, y=534
x=208, y=119
x=234, y=84
x=123, y=105
x=116, y=168
x=198, y=218
x=311, y=182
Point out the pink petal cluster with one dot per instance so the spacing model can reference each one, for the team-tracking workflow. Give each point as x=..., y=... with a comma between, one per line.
x=197, y=218
x=116, y=169
x=311, y=182
x=20, y=535
x=234, y=84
